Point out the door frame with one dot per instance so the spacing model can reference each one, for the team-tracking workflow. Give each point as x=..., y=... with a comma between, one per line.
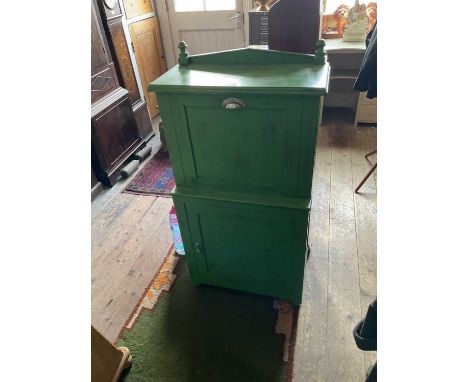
x=247, y=6
x=128, y=39
x=161, y=7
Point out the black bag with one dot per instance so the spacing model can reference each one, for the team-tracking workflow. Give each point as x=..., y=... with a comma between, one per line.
x=365, y=336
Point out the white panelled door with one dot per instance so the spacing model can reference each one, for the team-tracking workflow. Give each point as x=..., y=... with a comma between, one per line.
x=207, y=25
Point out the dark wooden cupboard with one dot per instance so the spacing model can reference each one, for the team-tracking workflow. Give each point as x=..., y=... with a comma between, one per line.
x=114, y=130
x=118, y=45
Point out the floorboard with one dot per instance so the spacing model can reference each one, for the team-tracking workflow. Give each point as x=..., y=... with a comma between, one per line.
x=365, y=207
x=130, y=239
x=133, y=266
x=344, y=362
x=340, y=275
x=310, y=356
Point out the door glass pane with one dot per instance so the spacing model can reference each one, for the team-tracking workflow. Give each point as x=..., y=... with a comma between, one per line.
x=188, y=5
x=220, y=5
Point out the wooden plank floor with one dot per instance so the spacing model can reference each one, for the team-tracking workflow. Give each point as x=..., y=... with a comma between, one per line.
x=340, y=275
x=130, y=239
x=129, y=244
x=131, y=236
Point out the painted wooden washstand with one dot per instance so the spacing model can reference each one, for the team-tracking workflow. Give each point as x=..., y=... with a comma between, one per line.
x=241, y=128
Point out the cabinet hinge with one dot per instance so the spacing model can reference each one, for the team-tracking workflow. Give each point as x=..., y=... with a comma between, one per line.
x=167, y=6
x=133, y=46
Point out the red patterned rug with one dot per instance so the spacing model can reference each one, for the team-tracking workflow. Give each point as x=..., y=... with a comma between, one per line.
x=154, y=178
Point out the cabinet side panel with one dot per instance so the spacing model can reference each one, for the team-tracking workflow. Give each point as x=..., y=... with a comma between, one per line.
x=310, y=120
x=170, y=134
x=182, y=217
x=300, y=247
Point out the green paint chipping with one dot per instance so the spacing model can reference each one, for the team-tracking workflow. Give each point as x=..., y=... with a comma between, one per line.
x=205, y=334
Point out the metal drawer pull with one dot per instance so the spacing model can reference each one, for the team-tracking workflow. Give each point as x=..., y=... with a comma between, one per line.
x=233, y=103
x=197, y=248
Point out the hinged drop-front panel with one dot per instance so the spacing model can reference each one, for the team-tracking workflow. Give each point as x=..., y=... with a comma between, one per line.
x=244, y=142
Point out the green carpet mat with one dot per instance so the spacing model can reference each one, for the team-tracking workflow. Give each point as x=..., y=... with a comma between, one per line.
x=205, y=334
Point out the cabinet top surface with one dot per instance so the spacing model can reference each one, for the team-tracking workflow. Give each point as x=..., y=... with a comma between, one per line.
x=248, y=70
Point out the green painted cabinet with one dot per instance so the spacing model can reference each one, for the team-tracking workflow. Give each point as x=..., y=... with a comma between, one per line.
x=240, y=128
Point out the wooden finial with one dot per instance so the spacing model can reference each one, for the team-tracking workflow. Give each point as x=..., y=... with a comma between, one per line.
x=183, y=54
x=320, y=52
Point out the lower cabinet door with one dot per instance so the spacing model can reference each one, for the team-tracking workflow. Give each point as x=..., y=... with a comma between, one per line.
x=243, y=246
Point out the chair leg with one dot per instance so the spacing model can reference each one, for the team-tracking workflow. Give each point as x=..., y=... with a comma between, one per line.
x=371, y=153
x=365, y=178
